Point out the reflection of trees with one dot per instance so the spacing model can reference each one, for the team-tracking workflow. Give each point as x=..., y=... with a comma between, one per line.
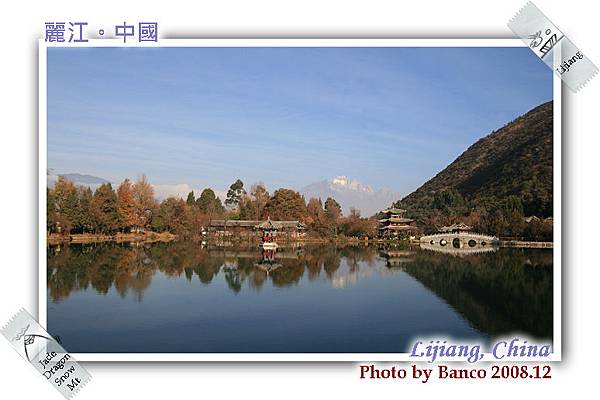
x=499, y=293
x=257, y=279
x=77, y=267
x=130, y=267
x=134, y=272
x=290, y=274
x=358, y=255
x=126, y=267
x=331, y=263
x=233, y=279
x=506, y=291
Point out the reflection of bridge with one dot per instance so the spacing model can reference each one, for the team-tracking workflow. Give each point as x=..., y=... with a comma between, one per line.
x=459, y=252
x=459, y=243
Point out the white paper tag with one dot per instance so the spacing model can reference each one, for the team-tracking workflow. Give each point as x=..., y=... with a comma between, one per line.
x=35, y=345
x=553, y=47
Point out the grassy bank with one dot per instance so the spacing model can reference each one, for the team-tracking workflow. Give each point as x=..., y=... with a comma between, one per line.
x=151, y=237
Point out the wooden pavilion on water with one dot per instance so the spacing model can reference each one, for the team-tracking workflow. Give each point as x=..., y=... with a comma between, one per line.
x=269, y=233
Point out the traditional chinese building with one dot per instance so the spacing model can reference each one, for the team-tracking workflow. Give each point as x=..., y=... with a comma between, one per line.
x=395, y=224
x=269, y=233
x=255, y=228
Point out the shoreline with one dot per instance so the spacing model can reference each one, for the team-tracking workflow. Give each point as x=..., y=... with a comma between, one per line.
x=87, y=238
x=524, y=244
x=153, y=237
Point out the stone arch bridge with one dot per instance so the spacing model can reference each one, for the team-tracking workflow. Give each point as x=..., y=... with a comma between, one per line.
x=459, y=241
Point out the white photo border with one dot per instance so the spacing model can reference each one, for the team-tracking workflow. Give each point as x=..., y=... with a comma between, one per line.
x=294, y=357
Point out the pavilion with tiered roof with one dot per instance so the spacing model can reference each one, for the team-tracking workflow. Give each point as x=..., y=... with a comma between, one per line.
x=394, y=223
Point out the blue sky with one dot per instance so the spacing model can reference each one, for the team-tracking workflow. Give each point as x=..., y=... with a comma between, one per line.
x=388, y=117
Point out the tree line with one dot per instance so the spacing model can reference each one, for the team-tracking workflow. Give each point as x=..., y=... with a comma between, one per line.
x=133, y=207
x=503, y=217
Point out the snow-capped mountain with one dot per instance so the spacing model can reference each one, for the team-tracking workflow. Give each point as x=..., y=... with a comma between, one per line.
x=344, y=183
x=351, y=193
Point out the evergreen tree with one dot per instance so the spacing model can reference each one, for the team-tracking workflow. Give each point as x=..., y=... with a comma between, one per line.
x=210, y=204
x=85, y=203
x=191, y=200
x=173, y=215
x=50, y=211
x=104, y=209
x=235, y=193
x=286, y=204
x=333, y=213
x=66, y=205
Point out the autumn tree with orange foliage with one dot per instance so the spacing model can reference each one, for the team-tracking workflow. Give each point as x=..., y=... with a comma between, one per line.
x=126, y=204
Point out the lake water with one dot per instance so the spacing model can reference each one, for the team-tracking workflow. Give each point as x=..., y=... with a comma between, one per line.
x=185, y=297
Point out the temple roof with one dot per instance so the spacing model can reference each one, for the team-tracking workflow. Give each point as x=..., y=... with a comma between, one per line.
x=233, y=222
x=401, y=220
x=269, y=225
x=256, y=223
x=397, y=228
x=393, y=210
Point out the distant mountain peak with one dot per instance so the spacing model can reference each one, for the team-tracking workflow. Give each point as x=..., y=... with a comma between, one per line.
x=84, y=179
x=76, y=178
x=350, y=193
x=344, y=182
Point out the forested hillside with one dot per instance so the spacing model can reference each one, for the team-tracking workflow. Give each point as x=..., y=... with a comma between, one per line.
x=496, y=183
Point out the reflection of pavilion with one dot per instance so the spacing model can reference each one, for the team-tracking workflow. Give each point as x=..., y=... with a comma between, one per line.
x=396, y=258
x=268, y=267
x=268, y=263
x=281, y=253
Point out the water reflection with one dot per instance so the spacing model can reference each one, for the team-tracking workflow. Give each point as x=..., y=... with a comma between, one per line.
x=130, y=267
x=498, y=292
x=494, y=293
